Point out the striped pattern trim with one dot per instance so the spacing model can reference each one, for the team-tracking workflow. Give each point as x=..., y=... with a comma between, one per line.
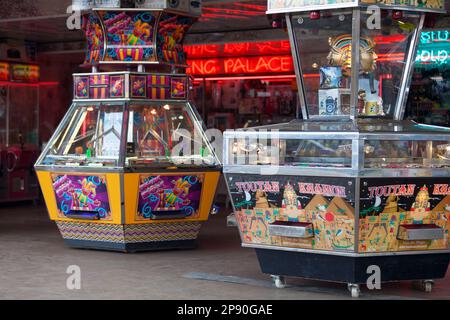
x=118, y=233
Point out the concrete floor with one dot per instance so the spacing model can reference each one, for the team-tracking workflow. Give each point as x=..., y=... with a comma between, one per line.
x=34, y=260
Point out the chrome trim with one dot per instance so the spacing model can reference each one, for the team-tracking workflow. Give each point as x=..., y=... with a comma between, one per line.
x=345, y=253
x=354, y=86
x=353, y=5
x=313, y=8
x=338, y=172
x=297, y=68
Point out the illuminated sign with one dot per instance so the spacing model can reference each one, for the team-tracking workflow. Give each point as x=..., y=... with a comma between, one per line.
x=25, y=72
x=240, y=49
x=241, y=65
x=434, y=48
x=4, y=71
x=434, y=36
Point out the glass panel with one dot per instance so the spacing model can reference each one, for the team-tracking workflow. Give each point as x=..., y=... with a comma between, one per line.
x=291, y=152
x=383, y=54
x=325, y=69
x=165, y=134
x=91, y=137
x=407, y=154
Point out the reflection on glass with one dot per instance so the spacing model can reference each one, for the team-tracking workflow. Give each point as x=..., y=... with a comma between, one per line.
x=90, y=137
x=407, y=154
x=166, y=134
x=383, y=62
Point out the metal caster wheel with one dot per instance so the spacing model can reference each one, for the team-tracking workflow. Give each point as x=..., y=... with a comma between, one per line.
x=354, y=290
x=279, y=281
x=425, y=285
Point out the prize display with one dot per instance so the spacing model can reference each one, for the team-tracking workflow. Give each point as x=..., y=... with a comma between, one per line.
x=19, y=131
x=130, y=167
x=352, y=184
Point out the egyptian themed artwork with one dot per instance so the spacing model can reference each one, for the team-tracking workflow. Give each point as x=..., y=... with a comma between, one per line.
x=81, y=194
x=326, y=203
x=385, y=205
x=170, y=36
x=169, y=196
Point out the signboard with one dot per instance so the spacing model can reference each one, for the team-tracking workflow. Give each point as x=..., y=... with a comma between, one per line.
x=4, y=71
x=241, y=65
x=24, y=72
x=168, y=197
x=434, y=48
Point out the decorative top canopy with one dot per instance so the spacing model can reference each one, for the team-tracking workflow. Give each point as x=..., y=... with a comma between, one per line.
x=283, y=6
x=137, y=31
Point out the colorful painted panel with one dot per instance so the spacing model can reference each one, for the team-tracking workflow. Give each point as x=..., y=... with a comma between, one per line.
x=92, y=28
x=170, y=36
x=327, y=203
x=99, y=86
x=424, y=4
x=117, y=86
x=388, y=203
x=167, y=197
x=129, y=35
x=81, y=196
x=179, y=88
x=138, y=86
x=81, y=87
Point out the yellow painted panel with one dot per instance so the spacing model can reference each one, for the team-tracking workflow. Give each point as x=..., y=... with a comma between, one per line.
x=113, y=187
x=131, y=182
x=45, y=182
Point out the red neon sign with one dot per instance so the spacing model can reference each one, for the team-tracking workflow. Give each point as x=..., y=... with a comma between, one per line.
x=241, y=65
x=240, y=49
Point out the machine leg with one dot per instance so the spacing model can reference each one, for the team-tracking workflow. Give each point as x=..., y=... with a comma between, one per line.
x=279, y=281
x=354, y=289
x=425, y=285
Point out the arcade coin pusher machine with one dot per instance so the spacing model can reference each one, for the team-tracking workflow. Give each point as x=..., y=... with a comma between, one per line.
x=352, y=189
x=130, y=167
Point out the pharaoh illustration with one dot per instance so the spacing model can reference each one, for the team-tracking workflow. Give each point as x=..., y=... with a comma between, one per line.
x=290, y=200
x=421, y=207
x=341, y=54
x=261, y=199
x=83, y=198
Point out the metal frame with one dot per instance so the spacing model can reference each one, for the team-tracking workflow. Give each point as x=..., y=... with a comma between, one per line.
x=121, y=167
x=298, y=69
x=352, y=5
x=400, y=105
x=356, y=34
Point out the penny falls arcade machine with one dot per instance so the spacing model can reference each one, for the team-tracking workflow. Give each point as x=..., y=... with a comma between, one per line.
x=130, y=167
x=352, y=188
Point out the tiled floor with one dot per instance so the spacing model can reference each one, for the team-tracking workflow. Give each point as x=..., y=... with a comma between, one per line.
x=34, y=260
